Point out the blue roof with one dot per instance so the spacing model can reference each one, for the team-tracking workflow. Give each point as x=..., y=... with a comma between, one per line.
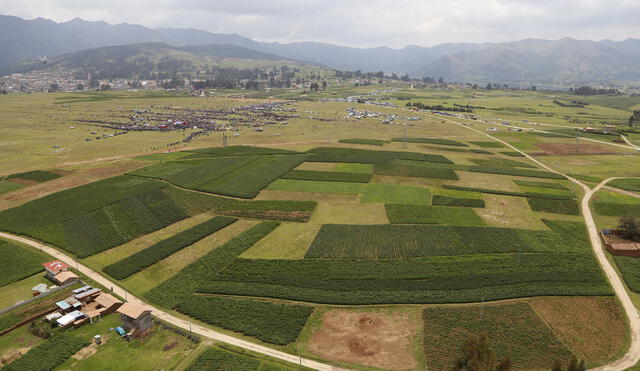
x=63, y=305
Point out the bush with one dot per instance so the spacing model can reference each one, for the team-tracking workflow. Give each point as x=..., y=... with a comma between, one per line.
x=278, y=324
x=165, y=248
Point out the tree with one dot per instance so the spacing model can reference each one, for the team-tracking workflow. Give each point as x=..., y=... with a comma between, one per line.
x=478, y=356
x=630, y=228
x=489, y=86
x=80, y=86
x=53, y=88
x=635, y=118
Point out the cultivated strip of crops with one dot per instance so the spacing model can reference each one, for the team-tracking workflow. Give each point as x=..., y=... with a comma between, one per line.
x=278, y=324
x=425, y=214
x=39, y=176
x=529, y=183
x=165, y=248
x=18, y=262
x=439, y=200
x=419, y=171
x=568, y=207
x=365, y=156
x=513, y=330
x=179, y=287
x=509, y=193
x=328, y=176
x=241, y=151
x=489, y=144
x=372, y=142
x=440, y=141
x=49, y=354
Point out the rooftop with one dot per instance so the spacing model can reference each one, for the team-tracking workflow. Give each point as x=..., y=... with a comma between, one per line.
x=132, y=310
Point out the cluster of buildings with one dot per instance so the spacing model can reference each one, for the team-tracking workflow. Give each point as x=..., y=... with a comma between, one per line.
x=617, y=245
x=88, y=304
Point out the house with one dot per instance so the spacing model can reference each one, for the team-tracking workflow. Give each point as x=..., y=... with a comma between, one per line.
x=65, y=277
x=55, y=267
x=136, y=320
x=75, y=318
x=107, y=303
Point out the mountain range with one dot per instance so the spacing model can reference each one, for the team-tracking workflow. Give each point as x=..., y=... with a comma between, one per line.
x=532, y=61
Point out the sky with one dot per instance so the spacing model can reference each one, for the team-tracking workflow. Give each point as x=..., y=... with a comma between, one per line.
x=360, y=23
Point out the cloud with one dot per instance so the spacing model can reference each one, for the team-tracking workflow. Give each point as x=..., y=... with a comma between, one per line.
x=364, y=23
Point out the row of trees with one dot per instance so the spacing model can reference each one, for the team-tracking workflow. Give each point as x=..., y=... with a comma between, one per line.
x=588, y=90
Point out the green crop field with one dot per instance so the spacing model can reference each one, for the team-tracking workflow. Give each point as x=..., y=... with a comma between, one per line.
x=372, y=142
x=19, y=262
x=272, y=323
x=179, y=287
x=50, y=354
x=513, y=330
x=328, y=176
x=153, y=254
x=412, y=211
x=423, y=214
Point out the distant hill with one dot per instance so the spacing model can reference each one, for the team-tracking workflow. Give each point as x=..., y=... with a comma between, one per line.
x=140, y=61
x=565, y=61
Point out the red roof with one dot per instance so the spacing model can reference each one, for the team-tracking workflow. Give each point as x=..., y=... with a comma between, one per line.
x=55, y=266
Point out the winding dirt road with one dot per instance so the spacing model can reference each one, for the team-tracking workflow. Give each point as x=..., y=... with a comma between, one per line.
x=167, y=317
x=632, y=357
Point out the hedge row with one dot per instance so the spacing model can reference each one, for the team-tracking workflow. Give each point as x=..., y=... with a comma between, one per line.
x=165, y=248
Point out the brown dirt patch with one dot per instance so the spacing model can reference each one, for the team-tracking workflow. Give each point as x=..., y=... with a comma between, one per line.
x=170, y=346
x=26, y=182
x=374, y=339
x=571, y=149
x=594, y=328
x=86, y=352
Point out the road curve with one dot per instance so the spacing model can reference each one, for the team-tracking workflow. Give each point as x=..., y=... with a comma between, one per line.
x=167, y=317
x=632, y=356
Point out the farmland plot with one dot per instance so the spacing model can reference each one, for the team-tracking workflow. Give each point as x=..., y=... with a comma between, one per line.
x=328, y=176
x=512, y=329
x=364, y=156
x=18, y=262
x=50, y=354
x=272, y=323
x=423, y=214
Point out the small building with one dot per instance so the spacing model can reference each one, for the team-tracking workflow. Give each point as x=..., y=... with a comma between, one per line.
x=65, y=277
x=55, y=267
x=70, y=318
x=39, y=289
x=136, y=320
x=107, y=303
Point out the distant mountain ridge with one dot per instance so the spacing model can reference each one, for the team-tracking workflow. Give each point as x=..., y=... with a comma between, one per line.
x=565, y=61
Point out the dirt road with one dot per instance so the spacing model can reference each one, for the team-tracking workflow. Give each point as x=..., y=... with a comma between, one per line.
x=197, y=329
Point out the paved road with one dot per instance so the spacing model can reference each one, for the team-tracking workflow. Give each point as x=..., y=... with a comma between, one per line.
x=197, y=329
x=632, y=357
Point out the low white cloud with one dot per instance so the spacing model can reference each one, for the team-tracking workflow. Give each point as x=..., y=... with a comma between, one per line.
x=364, y=23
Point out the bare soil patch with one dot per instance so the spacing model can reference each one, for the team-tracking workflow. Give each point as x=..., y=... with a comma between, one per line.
x=86, y=352
x=572, y=149
x=594, y=328
x=374, y=339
